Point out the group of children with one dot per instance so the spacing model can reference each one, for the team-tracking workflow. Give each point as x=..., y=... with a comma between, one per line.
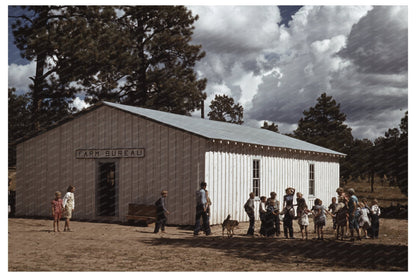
x=63, y=208
x=358, y=215
x=348, y=212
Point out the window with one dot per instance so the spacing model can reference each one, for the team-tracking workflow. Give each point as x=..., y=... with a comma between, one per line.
x=311, y=179
x=256, y=178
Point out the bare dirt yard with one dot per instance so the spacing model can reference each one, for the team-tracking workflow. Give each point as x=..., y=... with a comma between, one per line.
x=33, y=246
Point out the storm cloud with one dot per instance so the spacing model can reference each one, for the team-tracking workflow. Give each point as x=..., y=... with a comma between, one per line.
x=277, y=67
x=357, y=54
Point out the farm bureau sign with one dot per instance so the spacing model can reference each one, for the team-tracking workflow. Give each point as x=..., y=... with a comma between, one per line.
x=109, y=153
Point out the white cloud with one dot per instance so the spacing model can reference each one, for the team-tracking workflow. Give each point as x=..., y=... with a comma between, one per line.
x=237, y=40
x=79, y=104
x=310, y=65
x=236, y=28
x=19, y=76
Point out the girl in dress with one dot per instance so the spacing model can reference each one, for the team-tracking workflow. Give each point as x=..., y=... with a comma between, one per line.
x=69, y=206
x=303, y=218
x=364, y=219
x=320, y=212
x=56, y=211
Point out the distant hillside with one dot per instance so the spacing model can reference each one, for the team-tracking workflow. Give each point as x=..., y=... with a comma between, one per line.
x=386, y=195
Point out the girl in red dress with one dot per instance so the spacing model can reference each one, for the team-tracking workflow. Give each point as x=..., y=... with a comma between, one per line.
x=56, y=211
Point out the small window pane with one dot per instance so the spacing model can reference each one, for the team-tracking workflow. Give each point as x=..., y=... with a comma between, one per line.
x=256, y=177
x=311, y=179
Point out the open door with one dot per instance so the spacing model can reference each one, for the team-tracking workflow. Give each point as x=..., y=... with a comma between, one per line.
x=107, y=189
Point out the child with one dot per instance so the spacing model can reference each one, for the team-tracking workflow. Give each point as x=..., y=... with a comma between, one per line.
x=299, y=199
x=161, y=212
x=364, y=220
x=262, y=212
x=288, y=198
x=342, y=202
x=56, y=211
x=320, y=218
x=276, y=206
x=341, y=217
x=270, y=215
x=352, y=214
x=332, y=208
x=303, y=218
x=69, y=206
x=314, y=211
x=375, y=214
x=288, y=212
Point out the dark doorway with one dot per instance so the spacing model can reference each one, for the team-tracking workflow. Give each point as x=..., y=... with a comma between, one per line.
x=107, y=189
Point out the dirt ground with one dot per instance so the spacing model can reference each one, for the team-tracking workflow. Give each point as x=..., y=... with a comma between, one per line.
x=33, y=246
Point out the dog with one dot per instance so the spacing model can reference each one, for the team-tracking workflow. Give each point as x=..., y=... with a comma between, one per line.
x=230, y=225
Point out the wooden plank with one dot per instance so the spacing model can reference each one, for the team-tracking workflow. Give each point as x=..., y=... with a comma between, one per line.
x=150, y=163
x=86, y=191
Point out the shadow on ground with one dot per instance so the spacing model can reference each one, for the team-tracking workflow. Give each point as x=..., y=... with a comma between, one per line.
x=330, y=254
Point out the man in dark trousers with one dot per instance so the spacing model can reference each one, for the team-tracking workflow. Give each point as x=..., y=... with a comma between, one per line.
x=201, y=210
x=249, y=208
x=161, y=212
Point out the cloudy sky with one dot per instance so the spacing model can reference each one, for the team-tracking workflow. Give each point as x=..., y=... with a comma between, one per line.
x=277, y=60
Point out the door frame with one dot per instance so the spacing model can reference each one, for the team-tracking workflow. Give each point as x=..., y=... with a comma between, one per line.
x=97, y=185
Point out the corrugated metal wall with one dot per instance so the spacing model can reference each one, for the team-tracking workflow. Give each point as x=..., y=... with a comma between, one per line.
x=174, y=160
x=228, y=169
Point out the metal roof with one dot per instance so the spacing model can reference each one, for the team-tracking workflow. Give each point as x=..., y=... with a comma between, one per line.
x=223, y=131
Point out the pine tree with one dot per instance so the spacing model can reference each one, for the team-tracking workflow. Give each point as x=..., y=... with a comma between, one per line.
x=324, y=125
x=18, y=121
x=61, y=40
x=272, y=127
x=224, y=109
x=391, y=155
x=154, y=62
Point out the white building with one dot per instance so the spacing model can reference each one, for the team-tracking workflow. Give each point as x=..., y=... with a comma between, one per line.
x=116, y=154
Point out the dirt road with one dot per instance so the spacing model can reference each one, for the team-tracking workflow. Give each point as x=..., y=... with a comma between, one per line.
x=113, y=247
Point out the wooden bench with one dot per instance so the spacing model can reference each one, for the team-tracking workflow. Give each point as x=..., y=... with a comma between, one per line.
x=140, y=212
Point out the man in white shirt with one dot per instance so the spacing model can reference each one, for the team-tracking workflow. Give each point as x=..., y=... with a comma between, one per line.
x=201, y=210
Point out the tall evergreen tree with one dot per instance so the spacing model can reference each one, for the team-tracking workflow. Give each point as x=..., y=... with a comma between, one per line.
x=393, y=148
x=154, y=63
x=403, y=166
x=61, y=40
x=324, y=125
x=224, y=109
x=19, y=121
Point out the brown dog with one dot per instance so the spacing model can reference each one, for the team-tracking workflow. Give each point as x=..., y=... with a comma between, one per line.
x=230, y=225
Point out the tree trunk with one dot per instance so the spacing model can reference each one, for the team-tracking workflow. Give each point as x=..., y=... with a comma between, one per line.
x=372, y=180
x=37, y=91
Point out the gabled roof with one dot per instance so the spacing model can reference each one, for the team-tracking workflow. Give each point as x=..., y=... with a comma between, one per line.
x=223, y=131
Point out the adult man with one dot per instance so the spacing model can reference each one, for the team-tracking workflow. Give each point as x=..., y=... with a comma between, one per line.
x=249, y=208
x=161, y=210
x=201, y=210
x=352, y=211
